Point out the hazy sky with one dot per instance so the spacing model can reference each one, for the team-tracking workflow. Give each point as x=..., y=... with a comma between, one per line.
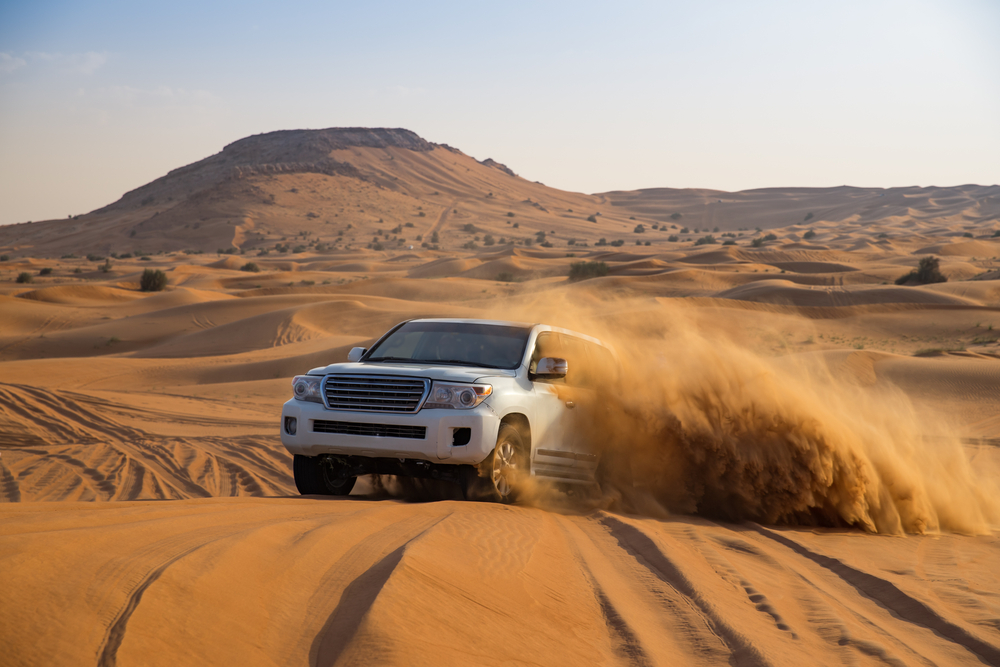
x=97, y=98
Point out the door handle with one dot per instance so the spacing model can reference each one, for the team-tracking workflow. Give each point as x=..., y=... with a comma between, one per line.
x=570, y=404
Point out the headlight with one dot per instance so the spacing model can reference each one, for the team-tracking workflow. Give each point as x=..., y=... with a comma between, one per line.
x=306, y=388
x=460, y=396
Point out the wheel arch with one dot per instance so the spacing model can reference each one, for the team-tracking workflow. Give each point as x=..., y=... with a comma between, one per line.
x=523, y=426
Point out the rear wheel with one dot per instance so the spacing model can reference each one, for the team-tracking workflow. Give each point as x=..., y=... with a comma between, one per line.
x=500, y=475
x=317, y=475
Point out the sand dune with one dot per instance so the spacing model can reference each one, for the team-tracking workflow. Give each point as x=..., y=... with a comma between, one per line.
x=783, y=401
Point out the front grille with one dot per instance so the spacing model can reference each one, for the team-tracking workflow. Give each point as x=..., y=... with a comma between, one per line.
x=374, y=430
x=374, y=393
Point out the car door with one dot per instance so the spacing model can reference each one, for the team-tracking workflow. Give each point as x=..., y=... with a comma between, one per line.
x=561, y=448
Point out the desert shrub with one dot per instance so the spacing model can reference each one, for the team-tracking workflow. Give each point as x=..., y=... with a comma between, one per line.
x=152, y=280
x=673, y=238
x=251, y=267
x=510, y=214
x=706, y=240
x=488, y=240
x=4, y=258
x=505, y=277
x=685, y=230
x=571, y=242
x=69, y=256
x=995, y=235
x=545, y=244
x=810, y=234
x=126, y=255
x=967, y=235
x=47, y=271
x=729, y=242
x=94, y=258
x=809, y=216
x=676, y=216
x=435, y=238
x=585, y=270
x=398, y=229
x=299, y=248
x=470, y=245
x=25, y=277
x=649, y=243
x=470, y=228
x=638, y=242
x=602, y=241
x=770, y=237
x=617, y=244
x=591, y=218
x=928, y=271
x=106, y=266
x=517, y=225
x=79, y=270
x=408, y=224
x=377, y=246
x=421, y=215
x=639, y=229
x=757, y=242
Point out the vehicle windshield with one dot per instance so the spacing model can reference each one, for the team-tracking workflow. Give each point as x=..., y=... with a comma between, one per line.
x=458, y=343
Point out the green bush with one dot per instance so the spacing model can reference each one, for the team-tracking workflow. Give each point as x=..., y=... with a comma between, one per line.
x=47, y=271
x=251, y=267
x=757, y=242
x=585, y=270
x=676, y=216
x=152, y=280
x=639, y=229
x=488, y=240
x=673, y=238
x=770, y=237
x=25, y=277
x=810, y=234
x=705, y=240
x=928, y=271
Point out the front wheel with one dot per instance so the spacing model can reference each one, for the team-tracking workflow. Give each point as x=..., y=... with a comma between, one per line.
x=500, y=476
x=317, y=475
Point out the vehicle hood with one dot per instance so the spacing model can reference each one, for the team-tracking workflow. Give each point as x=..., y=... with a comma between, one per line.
x=431, y=371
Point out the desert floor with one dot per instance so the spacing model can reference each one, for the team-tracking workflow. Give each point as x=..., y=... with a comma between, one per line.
x=148, y=514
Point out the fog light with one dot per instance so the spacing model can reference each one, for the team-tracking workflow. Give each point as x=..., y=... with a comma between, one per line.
x=291, y=425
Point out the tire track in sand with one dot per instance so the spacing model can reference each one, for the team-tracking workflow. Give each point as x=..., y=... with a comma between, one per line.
x=892, y=599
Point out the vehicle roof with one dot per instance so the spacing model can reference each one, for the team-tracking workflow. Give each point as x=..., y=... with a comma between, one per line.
x=542, y=327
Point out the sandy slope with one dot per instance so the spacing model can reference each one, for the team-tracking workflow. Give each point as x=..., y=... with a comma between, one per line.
x=308, y=581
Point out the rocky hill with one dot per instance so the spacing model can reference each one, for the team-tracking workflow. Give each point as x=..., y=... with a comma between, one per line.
x=378, y=190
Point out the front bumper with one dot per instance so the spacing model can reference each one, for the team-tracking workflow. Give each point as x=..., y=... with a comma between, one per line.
x=437, y=445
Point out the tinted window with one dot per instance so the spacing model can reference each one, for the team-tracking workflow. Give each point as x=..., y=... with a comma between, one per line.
x=489, y=345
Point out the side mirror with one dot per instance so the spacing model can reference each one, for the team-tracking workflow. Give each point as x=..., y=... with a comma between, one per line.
x=356, y=353
x=551, y=368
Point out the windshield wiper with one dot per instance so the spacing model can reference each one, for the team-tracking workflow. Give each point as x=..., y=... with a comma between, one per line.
x=463, y=362
x=458, y=362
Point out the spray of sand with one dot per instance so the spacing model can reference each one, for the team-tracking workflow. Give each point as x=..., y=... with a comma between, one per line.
x=703, y=424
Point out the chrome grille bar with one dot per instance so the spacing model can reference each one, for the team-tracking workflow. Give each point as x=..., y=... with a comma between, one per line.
x=374, y=393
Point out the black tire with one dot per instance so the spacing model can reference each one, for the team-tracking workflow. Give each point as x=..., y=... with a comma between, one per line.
x=316, y=477
x=500, y=476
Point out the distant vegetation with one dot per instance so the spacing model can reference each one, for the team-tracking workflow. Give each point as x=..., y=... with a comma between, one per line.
x=705, y=240
x=809, y=216
x=928, y=271
x=676, y=216
x=591, y=218
x=585, y=270
x=639, y=229
x=152, y=280
x=45, y=272
x=25, y=277
x=810, y=234
x=251, y=267
x=4, y=258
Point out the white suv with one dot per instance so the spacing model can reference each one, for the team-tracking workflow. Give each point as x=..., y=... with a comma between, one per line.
x=478, y=402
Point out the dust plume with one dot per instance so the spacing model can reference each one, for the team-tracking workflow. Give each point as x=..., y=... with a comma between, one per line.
x=703, y=424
